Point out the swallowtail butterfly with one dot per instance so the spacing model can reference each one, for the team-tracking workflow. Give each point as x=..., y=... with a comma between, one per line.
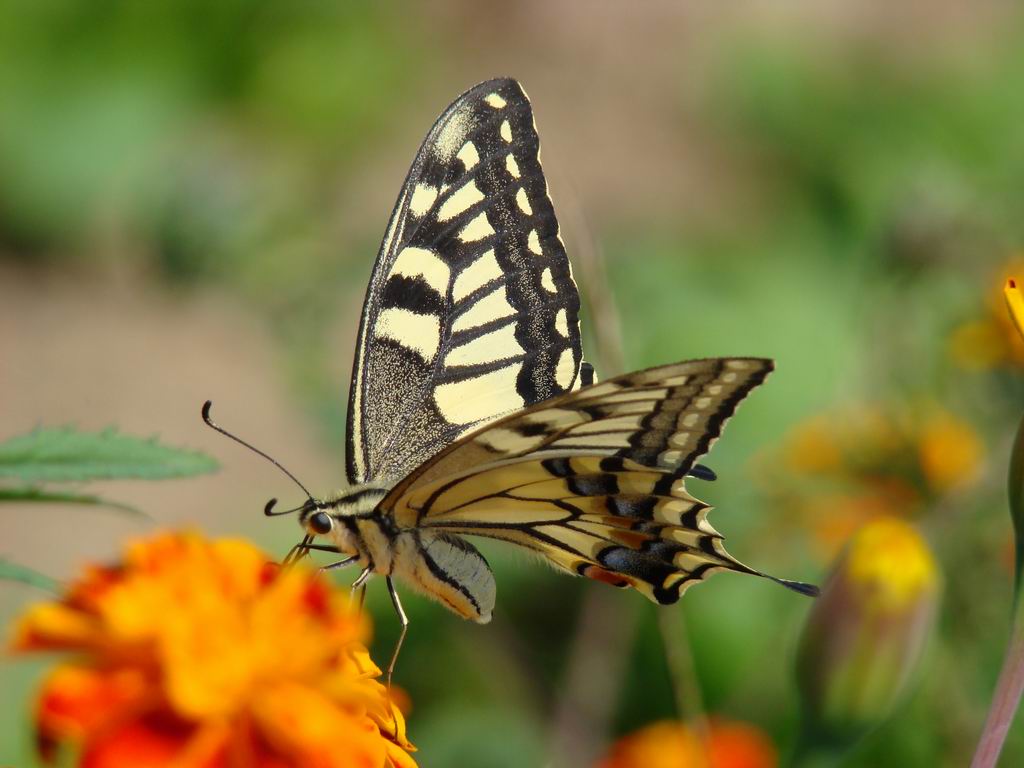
x=470, y=412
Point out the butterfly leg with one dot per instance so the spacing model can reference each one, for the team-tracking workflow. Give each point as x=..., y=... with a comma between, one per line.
x=359, y=585
x=320, y=548
x=339, y=563
x=405, y=628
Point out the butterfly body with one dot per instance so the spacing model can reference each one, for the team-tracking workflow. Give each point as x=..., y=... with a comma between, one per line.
x=472, y=412
x=441, y=565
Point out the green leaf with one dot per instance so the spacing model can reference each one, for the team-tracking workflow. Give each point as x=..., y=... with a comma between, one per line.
x=67, y=455
x=13, y=572
x=39, y=495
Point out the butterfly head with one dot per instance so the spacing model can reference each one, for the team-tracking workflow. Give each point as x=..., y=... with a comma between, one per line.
x=315, y=518
x=335, y=518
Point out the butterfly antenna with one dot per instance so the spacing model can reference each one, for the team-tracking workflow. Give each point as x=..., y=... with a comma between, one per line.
x=269, y=508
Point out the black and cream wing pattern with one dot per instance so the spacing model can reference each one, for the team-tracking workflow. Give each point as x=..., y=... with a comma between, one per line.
x=472, y=312
x=593, y=481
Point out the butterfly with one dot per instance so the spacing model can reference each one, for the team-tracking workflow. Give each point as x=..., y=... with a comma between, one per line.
x=472, y=412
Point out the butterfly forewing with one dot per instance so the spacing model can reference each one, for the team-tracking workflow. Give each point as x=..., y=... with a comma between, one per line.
x=593, y=480
x=472, y=311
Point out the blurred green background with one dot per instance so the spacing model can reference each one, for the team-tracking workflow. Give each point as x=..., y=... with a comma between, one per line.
x=191, y=196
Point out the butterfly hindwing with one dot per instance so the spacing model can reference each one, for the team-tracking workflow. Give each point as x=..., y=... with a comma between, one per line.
x=608, y=519
x=665, y=417
x=593, y=481
x=472, y=311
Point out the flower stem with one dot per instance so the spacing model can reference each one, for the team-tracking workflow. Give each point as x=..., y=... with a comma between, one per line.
x=586, y=704
x=805, y=754
x=1011, y=676
x=1005, y=701
x=682, y=671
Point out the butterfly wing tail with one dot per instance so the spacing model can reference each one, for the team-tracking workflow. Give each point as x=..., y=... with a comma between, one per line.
x=662, y=559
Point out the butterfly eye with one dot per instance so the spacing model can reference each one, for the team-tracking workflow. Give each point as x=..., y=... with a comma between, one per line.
x=321, y=523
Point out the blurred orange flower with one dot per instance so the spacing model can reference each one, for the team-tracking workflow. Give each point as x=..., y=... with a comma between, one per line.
x=949, y=452
x=926, y=446
x=845, y=468
x=201, y=653
x=671, y=744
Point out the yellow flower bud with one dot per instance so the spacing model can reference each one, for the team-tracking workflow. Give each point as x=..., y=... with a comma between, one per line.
x=865, y=634
x=1015, y=303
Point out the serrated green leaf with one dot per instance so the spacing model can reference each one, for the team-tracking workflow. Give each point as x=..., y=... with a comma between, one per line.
x=67, y=455
x=13, y=572
x=38, y=495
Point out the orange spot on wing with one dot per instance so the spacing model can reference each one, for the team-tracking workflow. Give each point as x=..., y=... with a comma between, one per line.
x=597, y=573
x=631, y=539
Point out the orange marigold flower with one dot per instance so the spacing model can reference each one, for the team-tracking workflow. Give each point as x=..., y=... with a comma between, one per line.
x=922, y=444
x=201, y=653
x=669, y=744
